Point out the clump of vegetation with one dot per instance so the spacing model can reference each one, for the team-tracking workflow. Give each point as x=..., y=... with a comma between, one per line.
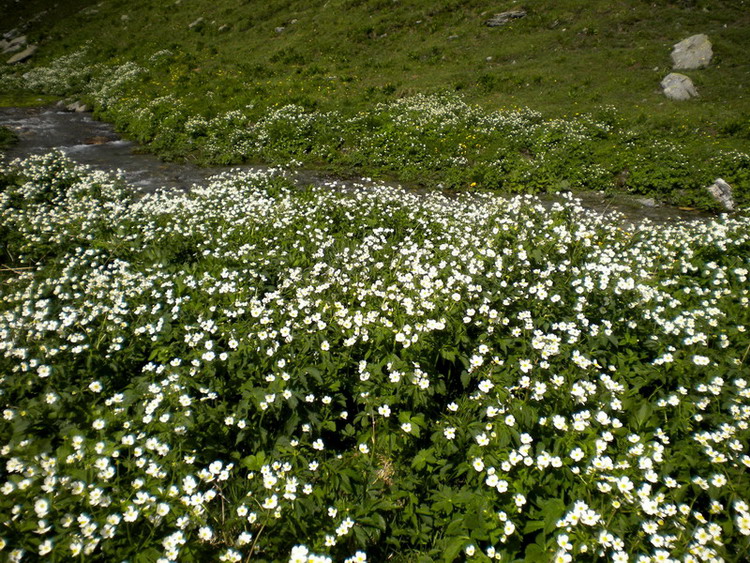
x=252, y=371
x=7, y=138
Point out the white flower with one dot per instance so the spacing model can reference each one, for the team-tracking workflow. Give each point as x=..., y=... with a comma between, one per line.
x=271, y=502
x=41, y=508
x=486, y=386
x=699, y=360
x=482, y=439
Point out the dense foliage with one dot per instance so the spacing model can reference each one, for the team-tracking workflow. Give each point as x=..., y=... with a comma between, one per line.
x=252, y=371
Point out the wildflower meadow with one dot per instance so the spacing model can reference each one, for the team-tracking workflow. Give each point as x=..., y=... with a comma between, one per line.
x=253, y=371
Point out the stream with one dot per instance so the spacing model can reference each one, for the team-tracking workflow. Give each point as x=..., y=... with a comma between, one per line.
x=95, y=143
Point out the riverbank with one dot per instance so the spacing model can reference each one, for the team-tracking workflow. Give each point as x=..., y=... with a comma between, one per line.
x=88, y=141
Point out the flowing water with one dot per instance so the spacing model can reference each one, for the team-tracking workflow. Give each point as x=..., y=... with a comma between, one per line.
x=94, y=143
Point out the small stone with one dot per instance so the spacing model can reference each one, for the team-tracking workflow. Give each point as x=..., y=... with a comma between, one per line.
x=279, y=29
x=196, y=23
x=722, y=193
x=23, y=55
x=98, y=140
x=501, y=19
x=678, y=87
x=647, y=202
x=692, y=53
x=224, y=28
x=124, y=17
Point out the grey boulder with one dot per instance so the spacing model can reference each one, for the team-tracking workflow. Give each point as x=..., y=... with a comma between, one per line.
x=722, y=193
x=678, y=87
x=692, y=53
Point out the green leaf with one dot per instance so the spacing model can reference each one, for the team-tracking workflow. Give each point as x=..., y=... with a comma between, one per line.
x=254, y=462
x=454, y=547
x=448, y=354
x=423, y=458
x=533, y=526
x=535, y=553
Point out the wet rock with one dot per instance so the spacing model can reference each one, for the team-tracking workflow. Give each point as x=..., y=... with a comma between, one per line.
x=8, y=35
x=722, y=193
x=503, y=18
x=98, y=140
x=678, y=87
x=692, y=53
x=77, y=107
x=23, y=55
x=647, y=202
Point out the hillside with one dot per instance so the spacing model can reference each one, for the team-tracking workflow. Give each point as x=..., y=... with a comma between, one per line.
x=600, y=59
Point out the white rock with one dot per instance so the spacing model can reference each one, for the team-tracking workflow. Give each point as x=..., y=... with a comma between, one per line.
x=501, y=19
x=722, y=192
x=692, y=53
x=679, y=87
x=78, y=107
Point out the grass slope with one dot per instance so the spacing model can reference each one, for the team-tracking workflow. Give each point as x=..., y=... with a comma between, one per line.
x=564, y=59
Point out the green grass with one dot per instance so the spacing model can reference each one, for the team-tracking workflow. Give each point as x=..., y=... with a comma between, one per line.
x=564, y=59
